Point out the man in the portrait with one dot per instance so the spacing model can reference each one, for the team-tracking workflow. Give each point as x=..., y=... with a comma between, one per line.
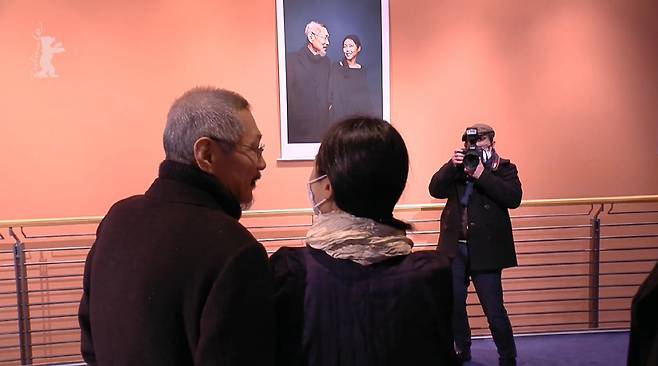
x=307, y=87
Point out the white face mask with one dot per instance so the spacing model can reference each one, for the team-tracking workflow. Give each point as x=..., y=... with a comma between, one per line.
x=314, y=205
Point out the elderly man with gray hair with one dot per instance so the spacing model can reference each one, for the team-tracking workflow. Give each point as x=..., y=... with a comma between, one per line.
x=307, y=85
x=173, y=278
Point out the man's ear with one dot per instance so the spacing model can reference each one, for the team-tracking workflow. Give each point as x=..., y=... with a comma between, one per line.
x=308, y=37
x=204, y=154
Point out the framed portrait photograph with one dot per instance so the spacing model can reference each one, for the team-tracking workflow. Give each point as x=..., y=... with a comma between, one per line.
x=333, y=64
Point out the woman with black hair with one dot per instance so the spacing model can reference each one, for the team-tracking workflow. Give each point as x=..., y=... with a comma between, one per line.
x=356, y=294
x=349, y=95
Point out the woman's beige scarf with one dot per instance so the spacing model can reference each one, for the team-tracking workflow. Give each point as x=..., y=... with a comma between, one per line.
x=359, y=239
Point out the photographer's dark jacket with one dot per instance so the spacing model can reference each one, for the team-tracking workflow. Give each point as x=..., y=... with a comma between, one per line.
x=490, y=240
x=174, y=279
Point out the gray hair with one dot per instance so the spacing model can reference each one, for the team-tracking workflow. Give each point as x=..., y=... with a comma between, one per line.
x=313, y=27
x=202, y=112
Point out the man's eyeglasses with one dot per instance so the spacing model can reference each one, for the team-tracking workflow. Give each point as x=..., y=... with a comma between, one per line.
x=258, y=150
x=326, y=38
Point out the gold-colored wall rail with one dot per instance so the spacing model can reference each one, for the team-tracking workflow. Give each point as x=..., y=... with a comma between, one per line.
x=307, y=211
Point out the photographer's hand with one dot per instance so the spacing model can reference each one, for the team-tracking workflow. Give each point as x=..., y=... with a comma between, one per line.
x=457, y=157
x=477, y=172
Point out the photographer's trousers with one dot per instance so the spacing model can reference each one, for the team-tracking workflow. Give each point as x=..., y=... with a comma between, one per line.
x=490, y=292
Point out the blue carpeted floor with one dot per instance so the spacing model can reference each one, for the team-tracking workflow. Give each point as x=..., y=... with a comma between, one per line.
x=605, y=349
x=587, y=349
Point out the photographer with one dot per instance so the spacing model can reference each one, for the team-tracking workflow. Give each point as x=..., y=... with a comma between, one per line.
x=476, y=232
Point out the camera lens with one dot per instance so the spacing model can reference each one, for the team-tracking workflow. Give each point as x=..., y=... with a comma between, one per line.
x=471, y=160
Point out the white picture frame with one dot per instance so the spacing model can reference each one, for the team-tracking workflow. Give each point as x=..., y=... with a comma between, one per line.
x=368, y=17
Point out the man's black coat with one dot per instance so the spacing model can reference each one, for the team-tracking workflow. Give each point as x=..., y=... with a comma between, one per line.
x=643, y=342
x=174, y=279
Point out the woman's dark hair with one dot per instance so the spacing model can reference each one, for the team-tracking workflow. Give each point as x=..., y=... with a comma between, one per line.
x=353, y=37
x=367, y=163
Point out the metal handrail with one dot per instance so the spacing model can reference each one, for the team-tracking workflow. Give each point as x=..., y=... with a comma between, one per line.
x=595, y=287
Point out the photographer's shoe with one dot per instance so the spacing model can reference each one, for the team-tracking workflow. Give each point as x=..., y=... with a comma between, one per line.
x=464, y=356
x=507, y=361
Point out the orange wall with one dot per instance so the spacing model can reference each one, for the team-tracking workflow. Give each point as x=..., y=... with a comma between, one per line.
x=571, y=87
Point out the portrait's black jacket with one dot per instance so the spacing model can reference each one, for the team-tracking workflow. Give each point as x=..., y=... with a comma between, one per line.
x=490, y=240
x=174, y=279
x=308, y=95
x=349, y=94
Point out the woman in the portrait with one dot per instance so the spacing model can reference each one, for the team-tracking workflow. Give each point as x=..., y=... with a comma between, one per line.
x=348, y=84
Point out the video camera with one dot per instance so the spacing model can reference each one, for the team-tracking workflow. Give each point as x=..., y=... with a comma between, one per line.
x=472, y=153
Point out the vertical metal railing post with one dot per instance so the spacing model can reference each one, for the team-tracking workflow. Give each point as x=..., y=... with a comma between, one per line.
x=22, y=300
x=594, y=269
